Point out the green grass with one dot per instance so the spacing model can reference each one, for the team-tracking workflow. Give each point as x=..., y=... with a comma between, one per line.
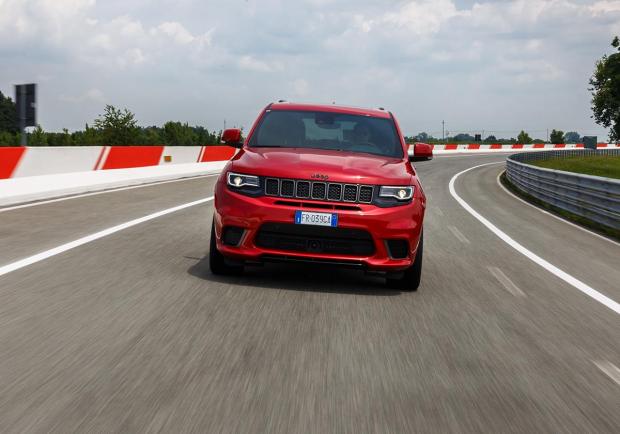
x=567, y=215
x=601, y=165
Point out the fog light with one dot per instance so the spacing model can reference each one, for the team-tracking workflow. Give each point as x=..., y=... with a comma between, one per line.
x=232, y=235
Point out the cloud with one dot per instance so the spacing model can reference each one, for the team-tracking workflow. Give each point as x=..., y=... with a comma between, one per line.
x=422, y=17
x=605, y=7
x=91, y=95
x=204, y=61
x=301, y=88
x=252, y=64
x=176, y=31
x=26, y=19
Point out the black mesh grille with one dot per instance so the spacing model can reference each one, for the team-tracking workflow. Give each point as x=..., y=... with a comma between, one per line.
x=287, y=188
x=365, y=194
x=315, y=239
x=318, y=190
x=334, y=191
x=271, y=187
x=303, y=189
x=350, y=193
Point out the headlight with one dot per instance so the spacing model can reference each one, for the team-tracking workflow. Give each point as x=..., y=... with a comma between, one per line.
x=238, y=180
x=397, y=192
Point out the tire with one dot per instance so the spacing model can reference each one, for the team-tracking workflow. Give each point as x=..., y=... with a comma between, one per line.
x=410, y=281
x=217, y=262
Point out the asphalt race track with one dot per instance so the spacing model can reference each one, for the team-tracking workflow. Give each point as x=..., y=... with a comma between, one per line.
x=130, y=332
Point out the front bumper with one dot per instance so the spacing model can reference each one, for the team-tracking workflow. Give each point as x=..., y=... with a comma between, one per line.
x=383, y=224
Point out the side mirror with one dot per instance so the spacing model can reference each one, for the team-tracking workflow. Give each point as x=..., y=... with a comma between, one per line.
x=232, y=137
x=421, y=152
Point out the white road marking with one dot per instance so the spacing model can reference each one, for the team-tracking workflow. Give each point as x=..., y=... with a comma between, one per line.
x=506, y=282
x=458, y=235
x=89, y=238
x=553, y=215
x=611, y=370
x=576, y=283
x=111, y=190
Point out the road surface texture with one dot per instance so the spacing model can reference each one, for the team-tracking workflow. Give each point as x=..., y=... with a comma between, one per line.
x=131, y=332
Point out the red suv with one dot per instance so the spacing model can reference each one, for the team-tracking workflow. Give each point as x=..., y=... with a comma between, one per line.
x=321, y=184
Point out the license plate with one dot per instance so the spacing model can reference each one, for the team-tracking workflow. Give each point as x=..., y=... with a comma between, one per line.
x=316, y=218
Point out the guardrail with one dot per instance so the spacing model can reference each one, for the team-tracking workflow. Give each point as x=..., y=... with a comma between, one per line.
x=593, y=197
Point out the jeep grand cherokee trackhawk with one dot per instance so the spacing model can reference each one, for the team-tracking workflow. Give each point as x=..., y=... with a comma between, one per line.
x=321, y=183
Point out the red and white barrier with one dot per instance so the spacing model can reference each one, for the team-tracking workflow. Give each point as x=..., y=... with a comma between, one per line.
x=37, y=173
x=29, y=174
x=35, y=161
x=498, y=147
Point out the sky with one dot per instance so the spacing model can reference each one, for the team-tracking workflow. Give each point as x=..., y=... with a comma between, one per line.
x=491, y=67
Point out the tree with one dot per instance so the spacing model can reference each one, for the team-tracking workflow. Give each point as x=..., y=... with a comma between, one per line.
x=463, y=137
x=572, y=137
x=117, y=127
x=8, y=115
x=557, y=136
x=8, y=139
x=178, y=134
x=523, y=137
x=90, y=136
x=204, y=137
x=422, y=137
x=606, y=92
x=37, y=137
x=151, y=136
x=491, y=139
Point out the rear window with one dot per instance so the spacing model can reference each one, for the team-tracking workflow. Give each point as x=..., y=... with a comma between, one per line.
x=330, y=131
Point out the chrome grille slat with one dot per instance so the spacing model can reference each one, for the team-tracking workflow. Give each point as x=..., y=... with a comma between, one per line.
x=325, y=191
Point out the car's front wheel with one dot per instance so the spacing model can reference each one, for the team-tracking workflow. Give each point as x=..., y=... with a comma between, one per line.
x=217, y=262
x=410, y=280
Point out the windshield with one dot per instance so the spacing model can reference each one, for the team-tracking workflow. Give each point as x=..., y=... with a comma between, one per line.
x=325, y=130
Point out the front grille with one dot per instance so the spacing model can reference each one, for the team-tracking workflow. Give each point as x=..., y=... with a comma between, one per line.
x=318, y=190
x=365, y=194
x=272, y=187
x=315, y=239
x=287, y=188
x=332, y=191
x=350, y=193
x=303, y=189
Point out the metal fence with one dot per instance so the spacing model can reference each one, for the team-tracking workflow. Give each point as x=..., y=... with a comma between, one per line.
x=592, y=197
x=563, y=153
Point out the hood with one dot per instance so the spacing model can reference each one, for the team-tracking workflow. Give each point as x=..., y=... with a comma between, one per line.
x=338, y=166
